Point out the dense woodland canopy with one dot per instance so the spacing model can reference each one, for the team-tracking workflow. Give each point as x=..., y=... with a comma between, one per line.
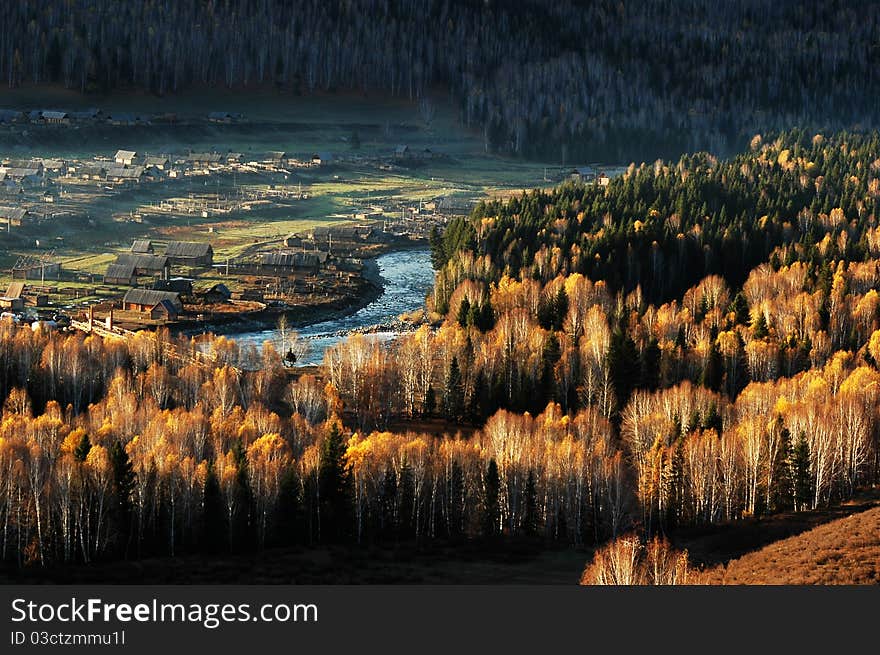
x=729, y=366
x=564, y=80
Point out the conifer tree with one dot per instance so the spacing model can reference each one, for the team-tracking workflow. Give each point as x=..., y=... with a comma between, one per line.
x=123, y=485
x=82, y=448
x=214, y=529
x=782, y=492
x=334, y=483
x=464, y=312
x=388, y=505
x=491, y=501
x=801, y=479
x=453, y=392
x=289, y=509
x=650, y=365
x=530, y=513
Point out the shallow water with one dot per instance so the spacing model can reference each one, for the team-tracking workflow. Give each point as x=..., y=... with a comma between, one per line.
x=408, y=276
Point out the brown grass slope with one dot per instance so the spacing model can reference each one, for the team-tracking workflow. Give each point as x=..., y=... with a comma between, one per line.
x=843, y=551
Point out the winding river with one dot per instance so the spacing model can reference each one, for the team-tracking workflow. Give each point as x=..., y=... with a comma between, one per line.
x=407, y=277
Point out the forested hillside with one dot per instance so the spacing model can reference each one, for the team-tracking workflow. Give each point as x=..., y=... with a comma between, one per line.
x=563, y=80
x=727, y=366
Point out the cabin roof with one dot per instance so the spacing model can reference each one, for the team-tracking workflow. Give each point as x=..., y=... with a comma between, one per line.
x=150, y=297
x=188, y=249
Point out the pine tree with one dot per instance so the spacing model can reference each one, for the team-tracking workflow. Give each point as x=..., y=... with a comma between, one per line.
x=486, y=318
x=241, y=537
x=82, y=448
x=123, y=486
x=530, y=514
x=214, y=528
x=782, y=491
x=650, y=365
x=623, y=362
x=438, y=253
x=289, y=509
x=491, y=501
x=406, y=508
x=479, y=398
x=560, y=308
x=713, y=371
x=455, y=487
x=430, y=400
x=453, y=392
x=801, y=479
x=464, y=310
x=740, y=308
x=334, y=482
x=759, y=326
x=388, y=505
x=550, y=355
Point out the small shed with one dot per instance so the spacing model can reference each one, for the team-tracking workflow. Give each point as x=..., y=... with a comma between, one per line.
x=215, y=293
x=15, y=290
x=164, y=310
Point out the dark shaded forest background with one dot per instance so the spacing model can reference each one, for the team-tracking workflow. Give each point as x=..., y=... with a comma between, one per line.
x=559, y=80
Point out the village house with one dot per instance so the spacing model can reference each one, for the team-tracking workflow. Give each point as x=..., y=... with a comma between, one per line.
x=145, y=300
x=142, y=247
x=128, y=267
x=18, y=290
x=190, y=253
x=13, y=216
x=32, y=176
x=92, y=172
x=164, y=310
x=54, y=165
x=277, y=158
x=124, y=174
x=158, y=162
x=12, y=304
x=204, y=159
x=125, y=157
x=322, y=159
x=281, y=261
x=120, y=274
x=53, y=117
x=213, y=293
x=583, y=173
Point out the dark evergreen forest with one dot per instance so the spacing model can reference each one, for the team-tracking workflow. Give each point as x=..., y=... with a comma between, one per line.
x=563, y=80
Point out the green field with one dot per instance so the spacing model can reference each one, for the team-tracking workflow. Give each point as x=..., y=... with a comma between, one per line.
x=299, y=126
